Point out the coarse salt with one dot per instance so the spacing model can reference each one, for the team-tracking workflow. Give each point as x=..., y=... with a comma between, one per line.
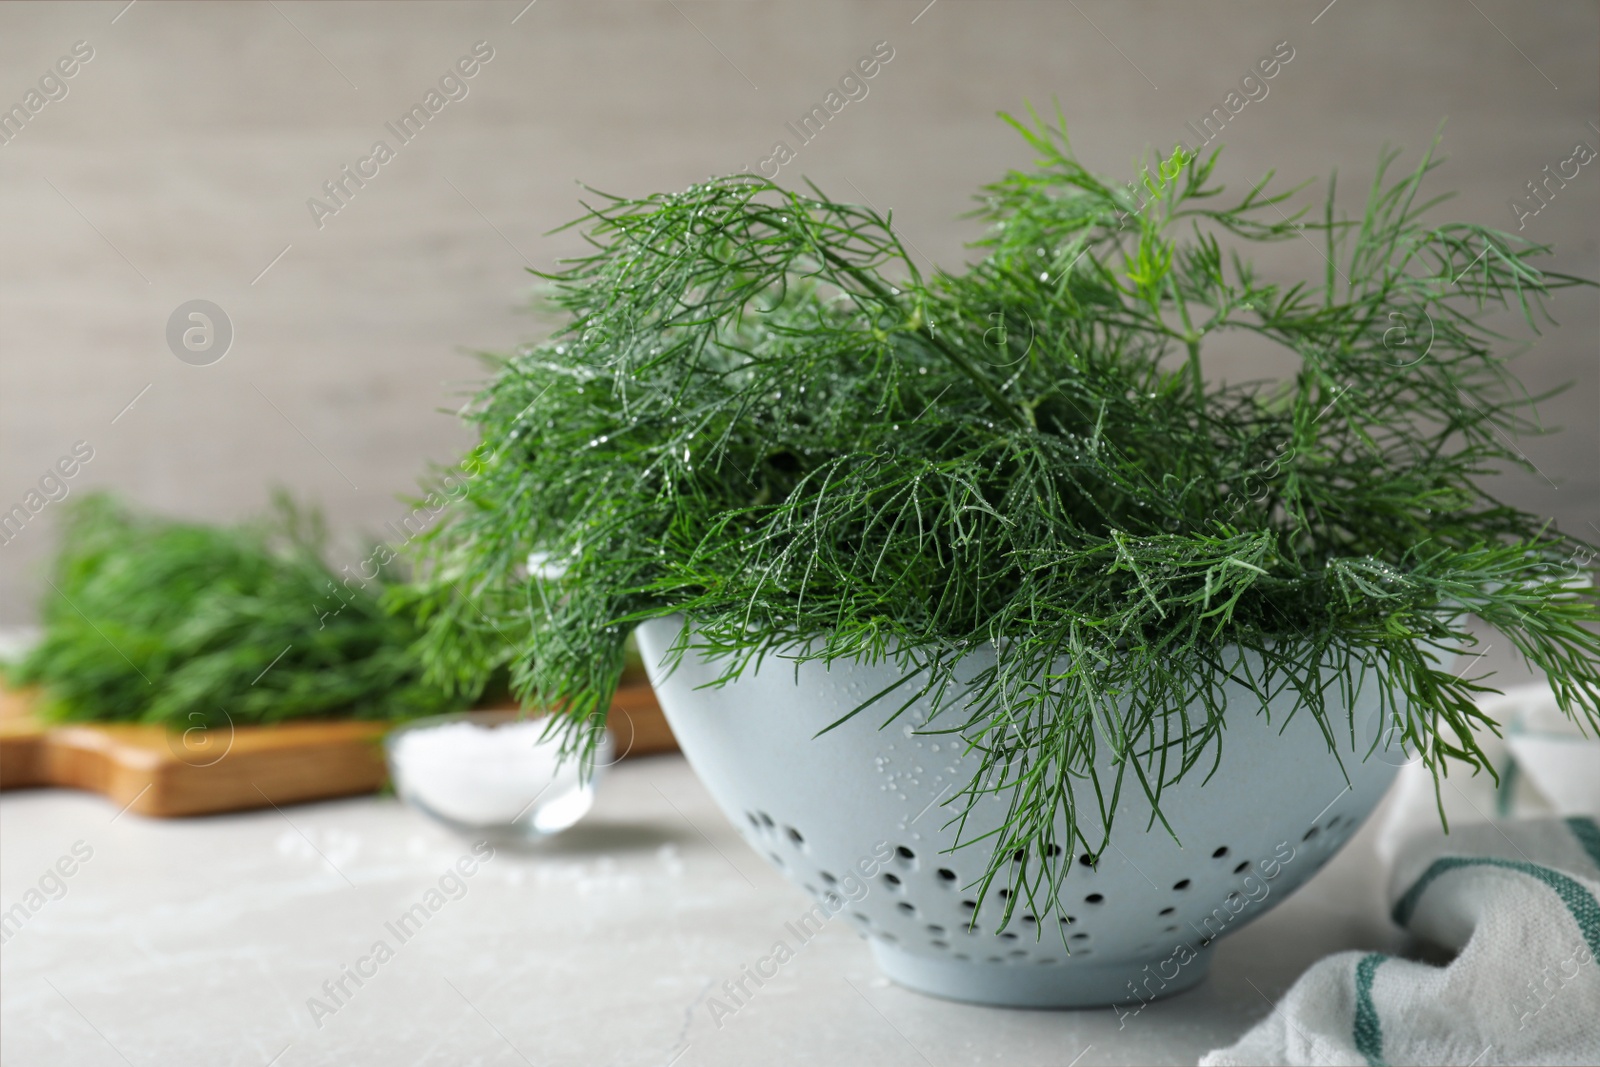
x=483, y=775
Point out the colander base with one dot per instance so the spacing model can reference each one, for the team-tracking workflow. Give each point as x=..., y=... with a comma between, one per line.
x=1021, y=985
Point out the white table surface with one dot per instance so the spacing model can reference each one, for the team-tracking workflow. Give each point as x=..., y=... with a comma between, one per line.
x=199, y=941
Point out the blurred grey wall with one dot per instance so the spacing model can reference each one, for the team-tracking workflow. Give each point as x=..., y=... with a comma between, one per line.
x=176, y=162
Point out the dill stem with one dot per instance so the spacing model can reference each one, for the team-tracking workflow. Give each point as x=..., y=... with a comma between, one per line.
x=1195, y=374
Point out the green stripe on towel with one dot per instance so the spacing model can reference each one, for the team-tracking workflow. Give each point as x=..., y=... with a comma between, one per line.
x=1367, y=1030
x=1588, y=835
x=1579, y=901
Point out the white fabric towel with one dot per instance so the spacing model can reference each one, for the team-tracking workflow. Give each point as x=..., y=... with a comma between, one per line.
x=1517, y=900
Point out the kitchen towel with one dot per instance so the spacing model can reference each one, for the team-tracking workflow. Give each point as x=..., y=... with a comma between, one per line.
x=1516, y=899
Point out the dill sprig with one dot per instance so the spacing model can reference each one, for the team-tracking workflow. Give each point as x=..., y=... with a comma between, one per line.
x=762, y=415
x=188, y=625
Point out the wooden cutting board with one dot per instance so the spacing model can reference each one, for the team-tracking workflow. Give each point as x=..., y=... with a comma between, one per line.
x=151, y=770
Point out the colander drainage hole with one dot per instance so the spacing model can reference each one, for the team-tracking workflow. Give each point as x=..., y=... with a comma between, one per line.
x=795, y=836
x=1172, y=929
x=939, y=944
x=1008, y=936
x=1018, y=953
x=1068, y=920
x=946, y=874
x=969, y=905
x=1094, y=898
x=935, y=929
x=1219, y=853
x=1086, y=860
x=1080, y=937
x=1028, y=920
x=892, y=881
x=963, y=957
x=755, y=824
x=766, y=820
x=995, y=959
x=828, y=878
x=907, y=907
x=777, y=859
x=1180, y=886
x=1047, y=961
x=1168, y=911
x=1084, y=952
x=1310, y=834
x=905, y=853
x=1245, y=866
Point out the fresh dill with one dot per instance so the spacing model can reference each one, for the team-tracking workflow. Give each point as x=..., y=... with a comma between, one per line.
x=762, y=415
x=189, y=625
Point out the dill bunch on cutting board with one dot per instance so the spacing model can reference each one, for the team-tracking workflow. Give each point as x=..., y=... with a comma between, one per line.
x=157, y=621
